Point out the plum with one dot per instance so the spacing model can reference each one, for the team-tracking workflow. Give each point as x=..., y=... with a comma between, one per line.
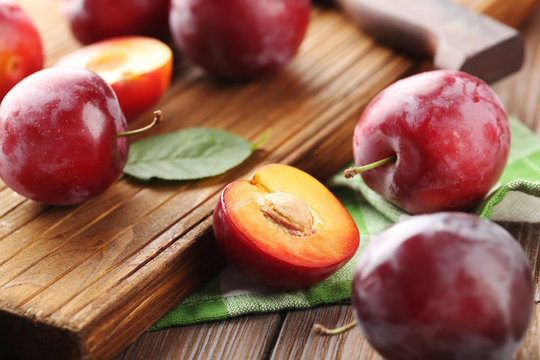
x=138, y=68
x=237, y=39
x=94, y=20
x=59, y=141
x=443, y=286
x=21, y=50
x=283, y=228
x=448, y=135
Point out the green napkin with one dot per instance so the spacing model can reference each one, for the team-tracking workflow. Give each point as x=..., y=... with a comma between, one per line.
x=229, y=294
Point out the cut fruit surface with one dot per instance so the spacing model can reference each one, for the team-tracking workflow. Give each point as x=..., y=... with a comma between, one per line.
x=285, y=221
x=138, y=68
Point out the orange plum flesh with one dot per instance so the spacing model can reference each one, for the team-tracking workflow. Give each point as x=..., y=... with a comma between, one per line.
x=138, y=68
x=284, y=228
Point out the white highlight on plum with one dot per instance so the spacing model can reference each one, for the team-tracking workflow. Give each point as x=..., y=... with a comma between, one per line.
x=184, y=16
x=269, y=53
x=94, y=120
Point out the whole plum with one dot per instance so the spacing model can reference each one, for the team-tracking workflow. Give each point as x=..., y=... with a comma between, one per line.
x=443, y=286
x=239, y=39
x=94, y=20
x=449, y=135
x=21, y=50
x=59, y=141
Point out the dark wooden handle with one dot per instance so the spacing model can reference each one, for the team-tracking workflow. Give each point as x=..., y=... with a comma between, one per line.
x=454, y=36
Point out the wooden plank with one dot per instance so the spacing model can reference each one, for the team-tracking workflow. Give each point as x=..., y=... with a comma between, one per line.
x=241, y=338
x=504, y=11
x=72, y=278
x=520, y=92
x=530, y=349
x=528, y=236
x=297, y=340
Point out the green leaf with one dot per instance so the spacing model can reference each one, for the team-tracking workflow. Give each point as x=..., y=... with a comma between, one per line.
x=188, y=154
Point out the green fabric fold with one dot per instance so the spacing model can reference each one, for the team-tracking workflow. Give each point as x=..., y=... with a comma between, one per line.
x=229, y=294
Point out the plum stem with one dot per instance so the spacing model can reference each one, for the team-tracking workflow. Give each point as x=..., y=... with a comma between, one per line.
x=321, y=330
x=352, y=171
x=158, y=117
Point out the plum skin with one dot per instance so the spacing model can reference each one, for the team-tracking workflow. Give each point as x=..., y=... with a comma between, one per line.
x=451, y=136
x=21, y=50
x=58, y=136
x=259, y=266
x=94, y=20
x=283, y=228
x=234, y=39
x=138, y=68
x=443, y=286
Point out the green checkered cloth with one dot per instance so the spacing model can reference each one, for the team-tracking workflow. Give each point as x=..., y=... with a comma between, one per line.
x=229, y=294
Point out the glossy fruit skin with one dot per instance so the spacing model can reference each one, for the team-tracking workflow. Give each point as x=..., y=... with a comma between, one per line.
x=138, y=88
x=58, y=136
x=94, y=20
x=451, y=136
x=443, y=286
x=21, y=50
x=280, y=268
x=258, y=266
x=142, y=97
x=238, y=39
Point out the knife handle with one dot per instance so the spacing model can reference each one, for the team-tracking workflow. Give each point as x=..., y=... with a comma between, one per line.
x=454, y=36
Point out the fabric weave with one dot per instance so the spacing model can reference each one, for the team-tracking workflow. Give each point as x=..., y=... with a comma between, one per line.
x=229, y=294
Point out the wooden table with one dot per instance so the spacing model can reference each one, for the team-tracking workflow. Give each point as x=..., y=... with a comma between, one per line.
x=288, y=335
x=42, y=290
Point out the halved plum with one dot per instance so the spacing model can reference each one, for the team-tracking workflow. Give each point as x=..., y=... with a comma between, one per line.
x=138, y=68
x=284, y=228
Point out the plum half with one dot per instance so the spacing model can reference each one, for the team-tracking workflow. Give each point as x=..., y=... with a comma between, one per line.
x=283, y=228
x=138, y=68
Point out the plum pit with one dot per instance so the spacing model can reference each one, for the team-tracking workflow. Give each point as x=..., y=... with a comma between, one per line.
x=288, y=212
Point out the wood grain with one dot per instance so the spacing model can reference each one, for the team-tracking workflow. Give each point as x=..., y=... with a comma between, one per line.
x=520, y=94
x=297, y=340
x=453, y=36
x=504, y=11
x=91, y=270
x=73, y=278
x=241, y=338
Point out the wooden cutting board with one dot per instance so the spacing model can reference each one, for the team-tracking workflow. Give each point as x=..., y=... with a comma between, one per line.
x=85, y=281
